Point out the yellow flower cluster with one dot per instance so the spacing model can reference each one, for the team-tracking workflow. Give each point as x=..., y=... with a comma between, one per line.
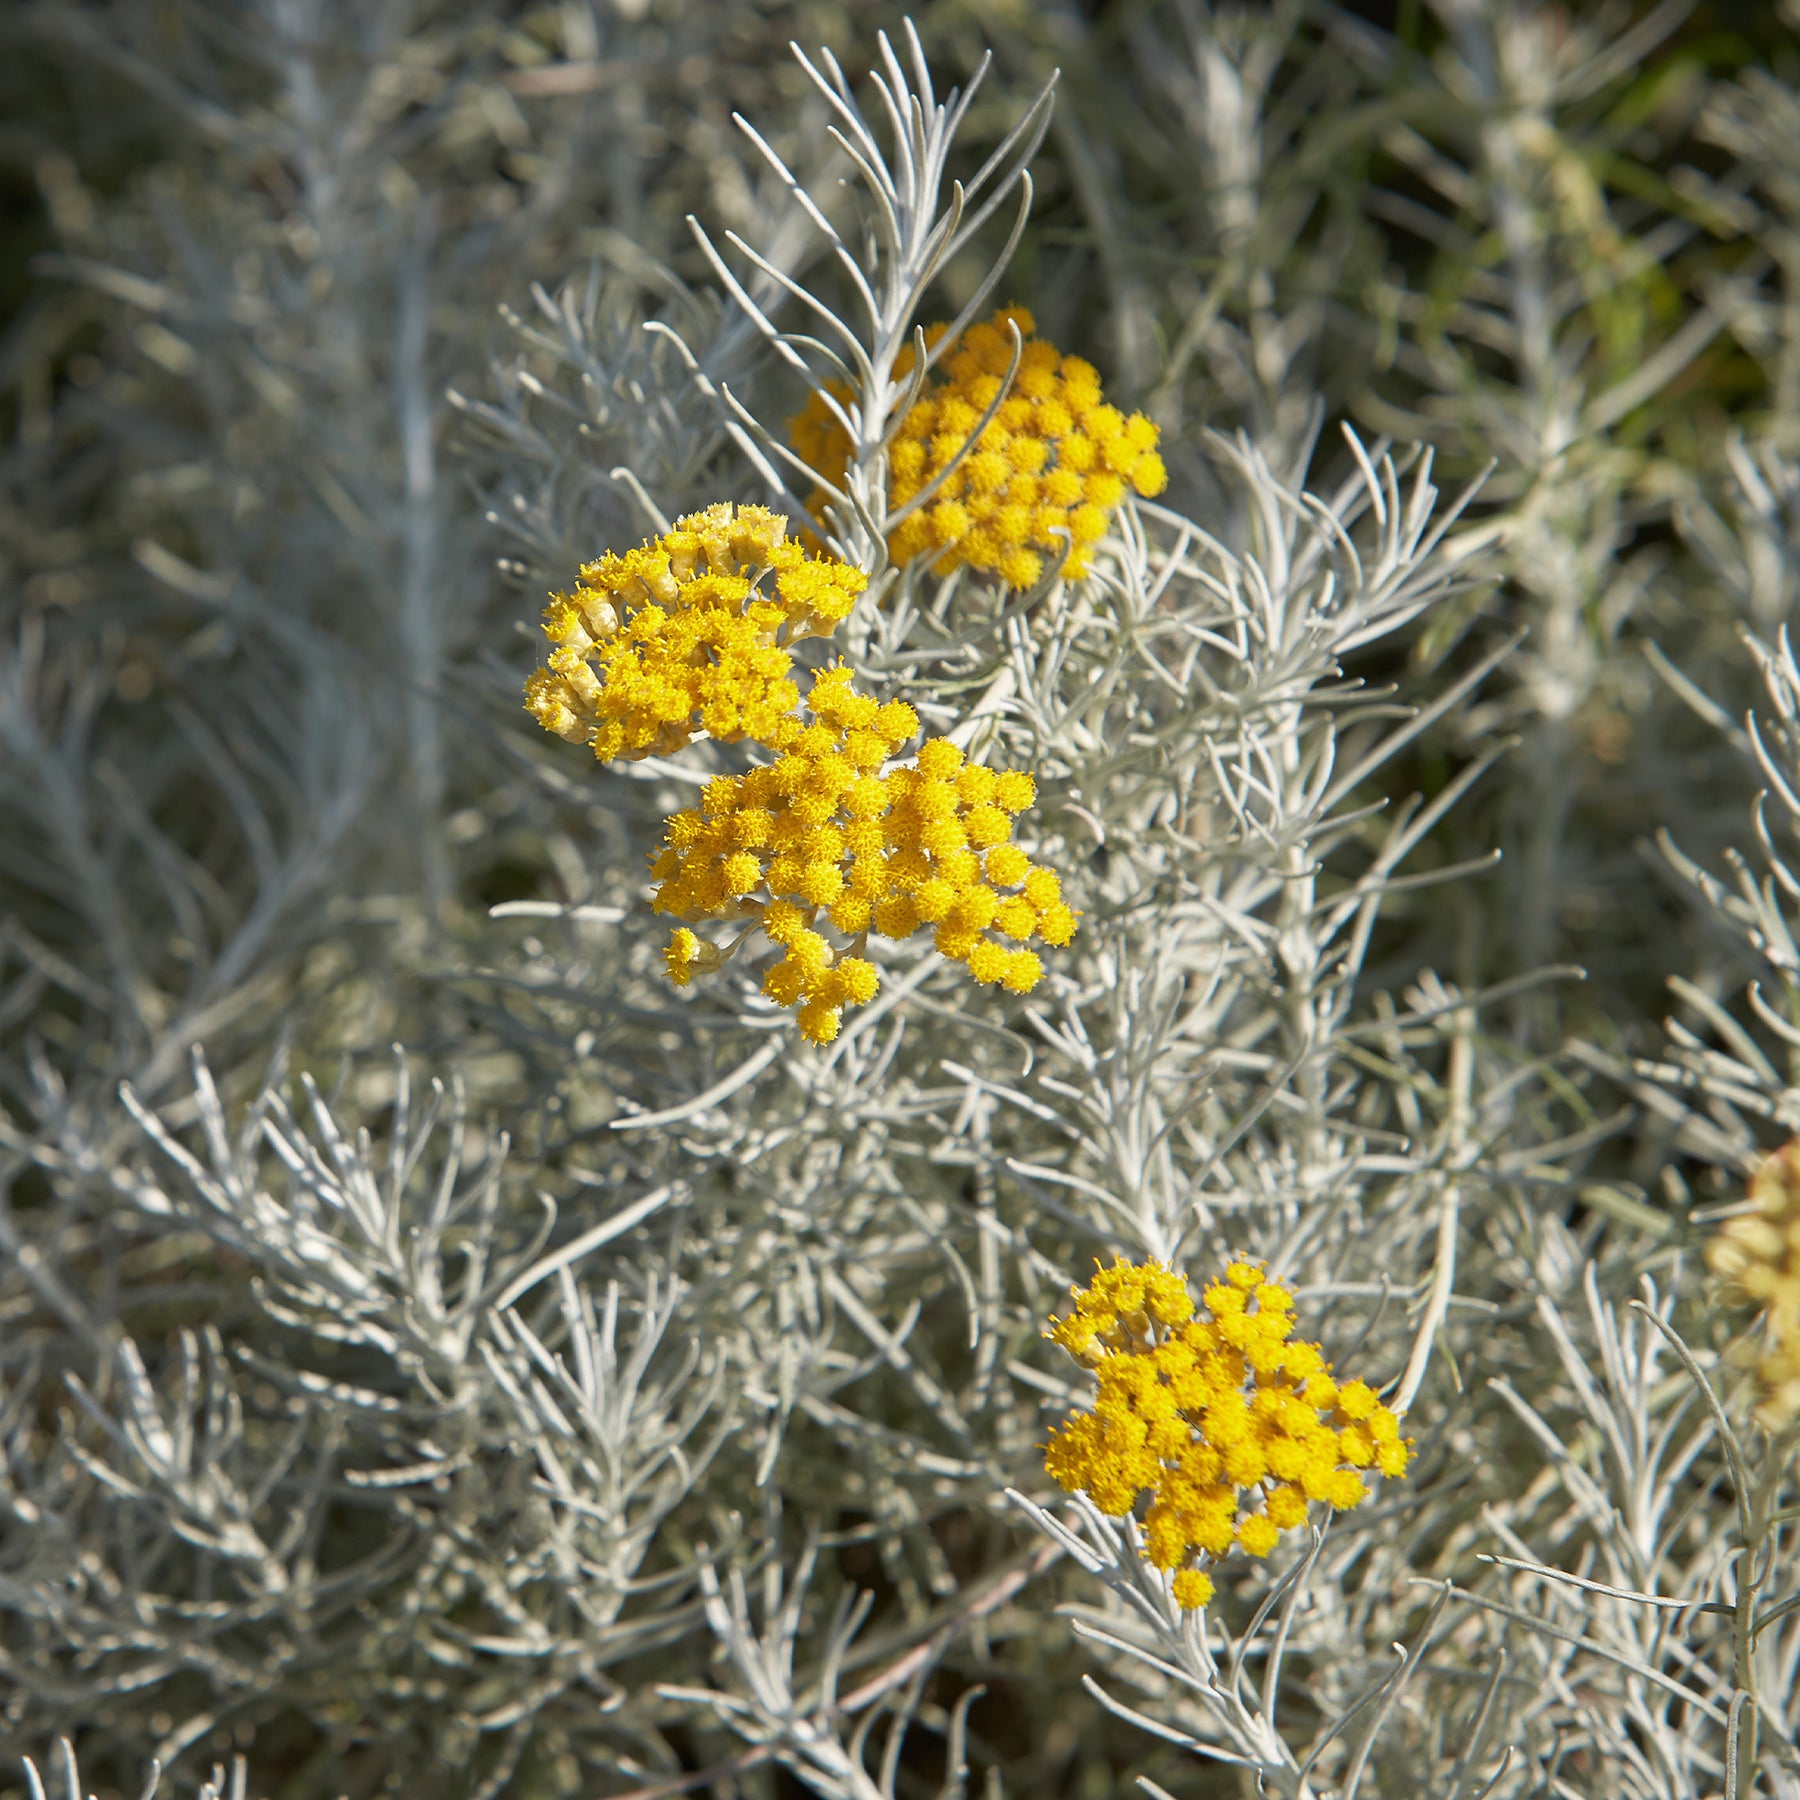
x=693, y=631
x=1759, y=1254
x=821, y=836
x=1231, y=1425
x=690, y=631
x=1054, y=458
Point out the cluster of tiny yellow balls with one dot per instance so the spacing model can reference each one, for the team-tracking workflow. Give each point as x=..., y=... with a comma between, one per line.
x=1054, y=459
x=687, y=633
x=821, y=836
x=1759, y=1254
x=1231, y=1426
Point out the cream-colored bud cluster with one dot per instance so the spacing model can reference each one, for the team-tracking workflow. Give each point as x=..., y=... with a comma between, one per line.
x=1759, y=1255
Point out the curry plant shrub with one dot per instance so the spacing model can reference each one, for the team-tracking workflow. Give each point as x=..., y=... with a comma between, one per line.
x=900, y=915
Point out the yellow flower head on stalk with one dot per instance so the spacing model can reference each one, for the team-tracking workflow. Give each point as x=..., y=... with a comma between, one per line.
x=1231, y=1426
x=690, y=631
x=820, y=847
x=1054, y=458
x=1759, y=1254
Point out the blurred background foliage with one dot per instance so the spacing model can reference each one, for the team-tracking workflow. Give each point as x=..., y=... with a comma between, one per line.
x=268, y=581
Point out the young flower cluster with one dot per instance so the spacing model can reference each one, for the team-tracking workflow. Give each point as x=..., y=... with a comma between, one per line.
x=821, y=836
x=1759, y=1254
x=1055, y=458
x=687, y=632
x=1230, y=1425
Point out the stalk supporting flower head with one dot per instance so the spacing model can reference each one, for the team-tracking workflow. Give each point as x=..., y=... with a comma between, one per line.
x=1230, y=1425
x=690, y=631
x=821, y=837
x=1054, y=459
x=1759, y=1254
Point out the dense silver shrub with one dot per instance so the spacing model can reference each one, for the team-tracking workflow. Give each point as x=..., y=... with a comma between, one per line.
x=439, y=1355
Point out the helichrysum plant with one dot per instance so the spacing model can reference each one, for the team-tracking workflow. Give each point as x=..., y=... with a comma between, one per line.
x=949, y=1166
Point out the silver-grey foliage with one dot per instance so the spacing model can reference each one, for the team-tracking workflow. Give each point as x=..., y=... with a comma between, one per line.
x=437, y=1355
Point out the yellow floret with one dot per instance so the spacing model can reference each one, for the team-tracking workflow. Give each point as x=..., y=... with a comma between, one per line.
x=939, y=759
x=852, y=914
x=942, y=837
x=783, y=982
x=1149, y=474
x=1024, y=971
x=974, y=784
x=809, y=953
x=783, y=922
x=1056, y=924
x=1076, y=451
x=896, y=916
x=1193, y=1588
x=1285, y=1507
x=1246, y=1462
x=933, y=899
x=683, y=949
x=906, y=463
x=1019, y=567
x=1015, y=918
x=1166, y=1295
x=818, y=1022
x=1014, y=791
x=987, y=962
x=896, y=722
x=1087, y=523
x=1257, y=1535
x=742, y=872
x=955, y=941
x=961, y=868
x=1225, y=1301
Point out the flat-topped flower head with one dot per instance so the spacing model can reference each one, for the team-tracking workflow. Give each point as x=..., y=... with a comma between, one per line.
x=1229, y=1426
x=692, y=631
x=827, y=844
x=1048, y=467
x=1758, y=1254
